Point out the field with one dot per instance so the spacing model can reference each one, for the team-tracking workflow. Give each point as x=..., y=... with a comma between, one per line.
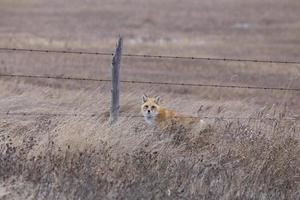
x=84, y=157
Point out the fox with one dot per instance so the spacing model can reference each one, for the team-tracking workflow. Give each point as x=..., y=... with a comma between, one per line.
x=156, y=115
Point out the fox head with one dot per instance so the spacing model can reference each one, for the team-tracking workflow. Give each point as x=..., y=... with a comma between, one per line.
x=150, y=107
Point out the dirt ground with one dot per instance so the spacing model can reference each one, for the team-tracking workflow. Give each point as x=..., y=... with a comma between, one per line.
x=84, y=157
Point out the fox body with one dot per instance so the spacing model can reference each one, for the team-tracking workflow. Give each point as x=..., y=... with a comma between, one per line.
x=154, y=114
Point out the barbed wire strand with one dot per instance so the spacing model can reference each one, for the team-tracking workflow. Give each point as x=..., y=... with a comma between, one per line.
x=223, y=118
x=57, y=51
x=152, y=56
x=8, y=113
x=213, y=85
x=54, y=77
x=92, y=115
x=150, y=82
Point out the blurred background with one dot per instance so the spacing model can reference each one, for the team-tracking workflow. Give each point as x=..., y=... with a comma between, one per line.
x=267, y=30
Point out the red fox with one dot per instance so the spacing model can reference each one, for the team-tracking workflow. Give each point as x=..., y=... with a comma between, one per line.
x=154, y=114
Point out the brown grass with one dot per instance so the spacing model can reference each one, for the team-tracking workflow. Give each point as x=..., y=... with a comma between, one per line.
x=234, y=160
x=63, y=157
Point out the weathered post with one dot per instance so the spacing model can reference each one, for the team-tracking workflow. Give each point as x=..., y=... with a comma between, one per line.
x=115, y=107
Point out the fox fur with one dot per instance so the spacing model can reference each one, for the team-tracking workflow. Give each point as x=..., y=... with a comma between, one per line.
x=157, y=115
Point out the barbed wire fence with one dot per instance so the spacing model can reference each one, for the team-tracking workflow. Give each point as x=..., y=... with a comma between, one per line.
x=97, y=115
x=151, y=56
x=149, y=82
x=37, y=76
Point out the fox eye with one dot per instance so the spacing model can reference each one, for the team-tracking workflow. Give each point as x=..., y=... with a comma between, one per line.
x=146, y=107
x=152, y=107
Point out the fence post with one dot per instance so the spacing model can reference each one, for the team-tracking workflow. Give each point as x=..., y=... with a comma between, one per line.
x=115, y=107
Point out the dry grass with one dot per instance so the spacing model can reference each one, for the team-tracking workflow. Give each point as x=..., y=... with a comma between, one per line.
x=88, y=159
x=85, y=158
x=63, y=157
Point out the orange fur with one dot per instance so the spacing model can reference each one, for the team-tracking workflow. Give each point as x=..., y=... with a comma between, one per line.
x=156, y=115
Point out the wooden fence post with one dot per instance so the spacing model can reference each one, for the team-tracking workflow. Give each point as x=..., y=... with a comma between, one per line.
x=115, y=107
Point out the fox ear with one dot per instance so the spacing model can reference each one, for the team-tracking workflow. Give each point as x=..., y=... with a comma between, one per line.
x=157, y=99
x=145, y=98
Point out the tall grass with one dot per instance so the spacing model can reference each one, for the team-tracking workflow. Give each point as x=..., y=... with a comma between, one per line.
x=232, y=160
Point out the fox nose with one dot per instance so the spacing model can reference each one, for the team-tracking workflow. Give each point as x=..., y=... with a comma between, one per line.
x=148, y=111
